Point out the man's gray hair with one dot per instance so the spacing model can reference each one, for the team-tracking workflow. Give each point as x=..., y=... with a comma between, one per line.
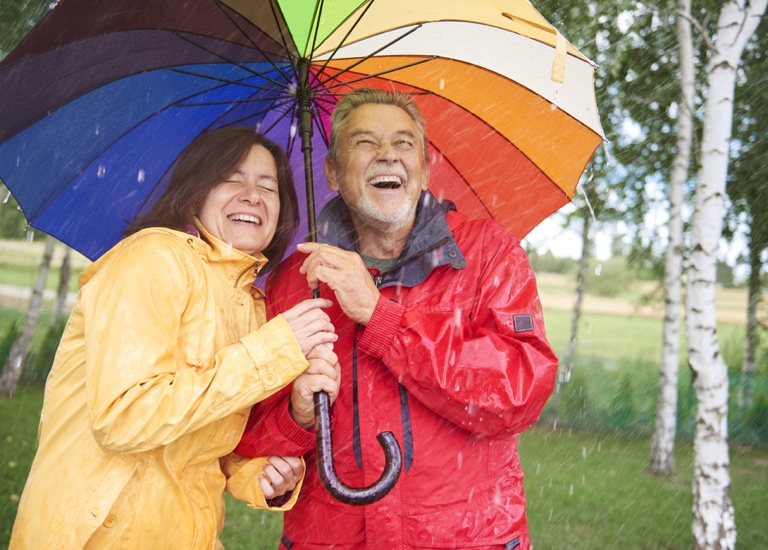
x=364, y=96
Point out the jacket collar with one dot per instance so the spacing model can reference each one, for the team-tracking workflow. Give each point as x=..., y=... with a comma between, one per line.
x=234, y=266
x=430, y=244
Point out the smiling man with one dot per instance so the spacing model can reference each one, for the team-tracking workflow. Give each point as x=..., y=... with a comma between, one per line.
x=441, y=341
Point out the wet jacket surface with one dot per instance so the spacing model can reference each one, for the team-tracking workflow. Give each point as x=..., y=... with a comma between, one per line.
x=454, y=362
x=164, y=353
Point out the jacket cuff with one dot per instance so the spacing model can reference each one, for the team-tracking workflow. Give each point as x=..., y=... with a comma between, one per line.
x=292, y=431
x=376, y=339
x=275, y=353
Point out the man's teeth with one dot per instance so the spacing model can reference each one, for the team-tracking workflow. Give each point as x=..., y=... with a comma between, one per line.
x=386, y=182
x=245, y=218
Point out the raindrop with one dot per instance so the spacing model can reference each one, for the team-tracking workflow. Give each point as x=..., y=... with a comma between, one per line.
x=8, y=196
x=18, y=161
x=30, y=236
x=599, y=443
x=553, y=107
x=550, y=514
x=101, y=171
x=570, y=490
x=97, y=130
x=442, y=83
x=142, y=176
x=294, y=129
x=459, y=460
x=538, y=468
x=598, y=269
x=583, y=479
x=584, y=452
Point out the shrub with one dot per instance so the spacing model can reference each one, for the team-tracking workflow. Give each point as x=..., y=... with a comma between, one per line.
x=575, y=405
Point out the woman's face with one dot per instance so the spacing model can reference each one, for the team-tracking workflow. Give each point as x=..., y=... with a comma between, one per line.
x=243, y=209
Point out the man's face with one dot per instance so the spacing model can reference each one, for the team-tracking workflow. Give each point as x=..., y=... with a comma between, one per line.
x=380, y=169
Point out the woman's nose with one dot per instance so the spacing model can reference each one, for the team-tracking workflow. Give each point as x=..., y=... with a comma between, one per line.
x=250, y=193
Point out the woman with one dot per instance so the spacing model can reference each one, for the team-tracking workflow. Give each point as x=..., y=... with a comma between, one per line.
x=164, y=353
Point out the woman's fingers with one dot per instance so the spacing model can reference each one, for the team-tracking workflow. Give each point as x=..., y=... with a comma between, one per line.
x=310, y=324
x=281, y=475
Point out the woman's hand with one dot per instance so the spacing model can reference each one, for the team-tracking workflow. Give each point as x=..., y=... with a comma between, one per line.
x=310, y=324
x=281, y=475
x=323, y=374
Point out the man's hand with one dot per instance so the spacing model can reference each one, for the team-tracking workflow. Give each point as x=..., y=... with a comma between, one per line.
x=323, y=374
x=281, y=475
x=345, y=274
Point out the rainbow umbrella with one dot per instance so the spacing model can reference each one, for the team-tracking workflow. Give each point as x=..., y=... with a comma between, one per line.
x=100, y=98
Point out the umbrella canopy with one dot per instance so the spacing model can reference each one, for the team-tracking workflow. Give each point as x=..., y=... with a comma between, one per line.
x=101, y=97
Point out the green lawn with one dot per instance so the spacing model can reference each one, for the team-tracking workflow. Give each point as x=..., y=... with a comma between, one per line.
x=585, y=490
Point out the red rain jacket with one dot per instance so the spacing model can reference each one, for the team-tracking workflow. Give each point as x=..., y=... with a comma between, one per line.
x=454, y=362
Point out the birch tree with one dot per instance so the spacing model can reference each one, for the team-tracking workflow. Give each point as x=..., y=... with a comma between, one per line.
x=15, y=363
x=713, y=515
x=663, y=441
x=748, y=191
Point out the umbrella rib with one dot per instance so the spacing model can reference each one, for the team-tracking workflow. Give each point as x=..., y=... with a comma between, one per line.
x=343, y=41
x=374, y=75
x=273, y=6
x=235, y=63
x=251, y=115
x=227, y=80
x=247, y=37
x=384, y=47
x=320, y=128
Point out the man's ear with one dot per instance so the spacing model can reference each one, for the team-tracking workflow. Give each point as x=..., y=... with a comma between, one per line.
x=329, y=167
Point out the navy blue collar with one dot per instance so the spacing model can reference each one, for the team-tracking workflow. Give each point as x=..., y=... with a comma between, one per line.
x=429, y=245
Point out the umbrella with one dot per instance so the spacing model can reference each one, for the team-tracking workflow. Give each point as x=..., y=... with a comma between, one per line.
x=99, y=99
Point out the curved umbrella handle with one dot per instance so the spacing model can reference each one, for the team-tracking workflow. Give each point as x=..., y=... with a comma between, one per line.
x=337, y=489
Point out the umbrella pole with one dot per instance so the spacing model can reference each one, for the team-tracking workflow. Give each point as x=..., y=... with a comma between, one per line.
x=305, y=129
x=393, y=459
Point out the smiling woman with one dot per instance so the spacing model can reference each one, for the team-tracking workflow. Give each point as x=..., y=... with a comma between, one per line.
x=166, y=350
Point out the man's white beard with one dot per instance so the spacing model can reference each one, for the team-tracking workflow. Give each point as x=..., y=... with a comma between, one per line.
x=371, y=215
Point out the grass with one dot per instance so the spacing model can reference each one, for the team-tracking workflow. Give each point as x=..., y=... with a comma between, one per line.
x=585, y=490
x=593, y=490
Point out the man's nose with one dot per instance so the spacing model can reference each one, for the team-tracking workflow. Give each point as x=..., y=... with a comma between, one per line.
x=387, y=151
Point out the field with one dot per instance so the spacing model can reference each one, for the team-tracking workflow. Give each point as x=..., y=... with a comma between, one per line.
x=587, y=488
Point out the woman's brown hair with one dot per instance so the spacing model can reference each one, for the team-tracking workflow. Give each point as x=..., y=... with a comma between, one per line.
x=207, y=161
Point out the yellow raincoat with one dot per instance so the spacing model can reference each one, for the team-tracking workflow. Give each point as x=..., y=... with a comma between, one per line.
x=164, y=353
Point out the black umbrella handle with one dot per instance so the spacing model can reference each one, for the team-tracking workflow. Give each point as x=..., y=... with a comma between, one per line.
x=337, y=489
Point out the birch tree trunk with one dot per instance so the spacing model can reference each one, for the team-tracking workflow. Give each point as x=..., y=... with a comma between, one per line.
x=581, y=282
x=663, y=441
x=63, y=291
x=713, y=516
x=749, y=366
x=15, y=364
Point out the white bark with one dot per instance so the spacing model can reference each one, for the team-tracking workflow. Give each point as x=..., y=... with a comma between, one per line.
x=713, y=516
x=586, y=247
x=63, y=291
x=663, y=441
x=15, y=363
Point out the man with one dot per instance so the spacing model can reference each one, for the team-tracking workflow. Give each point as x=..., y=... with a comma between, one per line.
x=441, y=341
